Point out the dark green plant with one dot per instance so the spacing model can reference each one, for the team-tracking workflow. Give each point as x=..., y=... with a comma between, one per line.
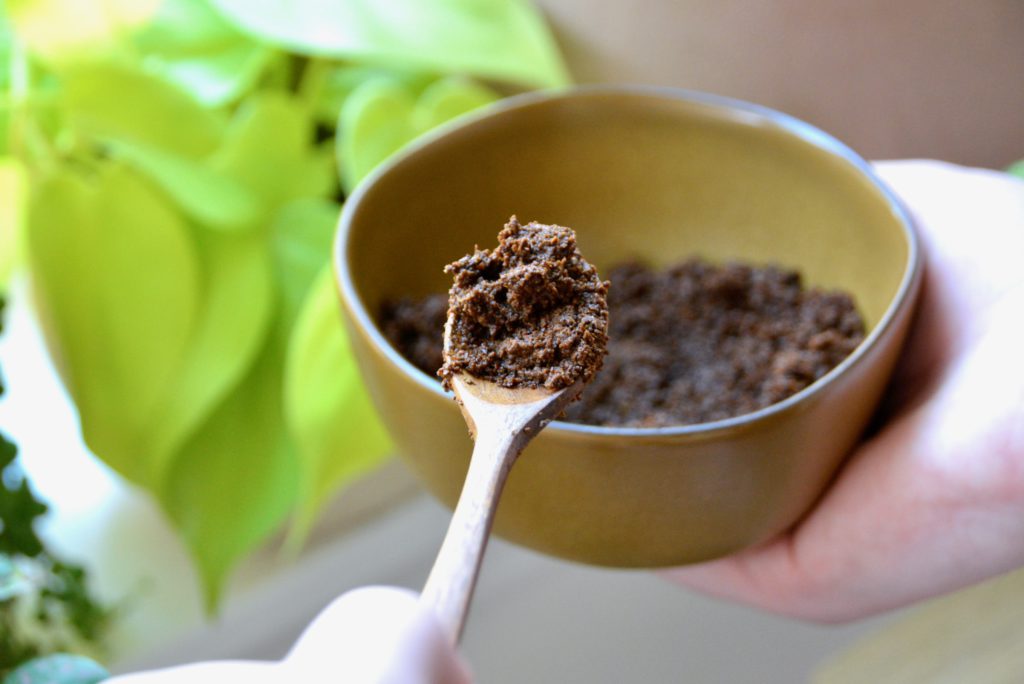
x=45, y=604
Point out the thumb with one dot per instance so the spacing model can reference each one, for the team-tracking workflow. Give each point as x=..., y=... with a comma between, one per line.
x=378, y=635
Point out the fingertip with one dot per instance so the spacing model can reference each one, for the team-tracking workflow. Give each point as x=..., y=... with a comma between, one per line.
x=386, y=635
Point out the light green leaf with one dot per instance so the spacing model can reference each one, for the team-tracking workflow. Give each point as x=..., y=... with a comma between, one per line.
x=211, y=198
x=449, y=98
x=13, y=192
x=233, y=482
x=328, y=411
x=301, y=237
x=60, y=668
x=231, y=329
x=334, y=83
x=269, y=150
x=375, y=122
x=383, y=115
x=117, y=287
x=111, y=100
x=505, y=40
x=192, y=45
x=1017, y=169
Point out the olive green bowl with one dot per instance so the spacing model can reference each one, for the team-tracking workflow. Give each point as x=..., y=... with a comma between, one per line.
x=660, y=175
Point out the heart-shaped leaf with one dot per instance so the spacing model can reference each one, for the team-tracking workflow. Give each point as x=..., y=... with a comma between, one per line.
x=326, y=406
x=505, y=40
x=232, y=325
x=448, y=99
x=118, y=289
x=233, y=482
x=383, y=115
x=269, y=150
x=375, y=122
x=160, y=115
x=330, y=84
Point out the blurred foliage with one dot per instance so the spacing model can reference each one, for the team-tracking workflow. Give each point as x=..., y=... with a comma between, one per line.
x=45, y=604
x=1017, y=169
x=500, y=39
x=171, y=173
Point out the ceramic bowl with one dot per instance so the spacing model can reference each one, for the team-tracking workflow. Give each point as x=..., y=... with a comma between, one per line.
x=660, y=175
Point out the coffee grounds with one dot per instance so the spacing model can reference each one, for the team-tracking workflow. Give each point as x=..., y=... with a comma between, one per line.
x=415, y=326
x=531, y=313
x=690, y=344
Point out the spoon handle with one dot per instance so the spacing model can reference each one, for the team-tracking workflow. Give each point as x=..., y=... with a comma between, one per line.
x=449, y=587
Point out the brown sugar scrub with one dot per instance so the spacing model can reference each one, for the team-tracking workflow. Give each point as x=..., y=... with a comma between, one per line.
x=530, y=313
x=692, y=343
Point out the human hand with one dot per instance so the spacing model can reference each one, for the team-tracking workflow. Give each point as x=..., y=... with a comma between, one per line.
x=933, y=501
x=373, y=635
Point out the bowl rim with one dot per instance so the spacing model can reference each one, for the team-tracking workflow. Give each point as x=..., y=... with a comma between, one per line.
x=732, y=107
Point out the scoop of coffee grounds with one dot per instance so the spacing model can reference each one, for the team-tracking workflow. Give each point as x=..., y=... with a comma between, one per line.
x=531, y=313
x=697, y=342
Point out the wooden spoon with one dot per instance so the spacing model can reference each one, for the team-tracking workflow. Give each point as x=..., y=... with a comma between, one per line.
x=502, y=422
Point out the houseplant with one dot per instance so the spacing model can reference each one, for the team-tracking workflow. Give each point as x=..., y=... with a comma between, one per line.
x=181, y=165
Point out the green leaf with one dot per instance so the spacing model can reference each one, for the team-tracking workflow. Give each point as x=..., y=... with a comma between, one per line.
x=233, y=482
x=118, y=288
x=18, y=511
x=232, y=325
x=60, y=668
x=191, y=45
x=1017, y=169
x=209, y=197
x=381, y=116
x=8, y=452
x=13, y=193
x=269, y=150
x=448, y=99
x=376, y=122
x=334, y=83
x=327, y=408
x=69, y=599
x=301, y=237
x=505, y=40
x=19, y=507
x=111, y=100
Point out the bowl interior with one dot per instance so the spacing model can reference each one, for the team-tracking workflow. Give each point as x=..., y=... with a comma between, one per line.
x=637, y=174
